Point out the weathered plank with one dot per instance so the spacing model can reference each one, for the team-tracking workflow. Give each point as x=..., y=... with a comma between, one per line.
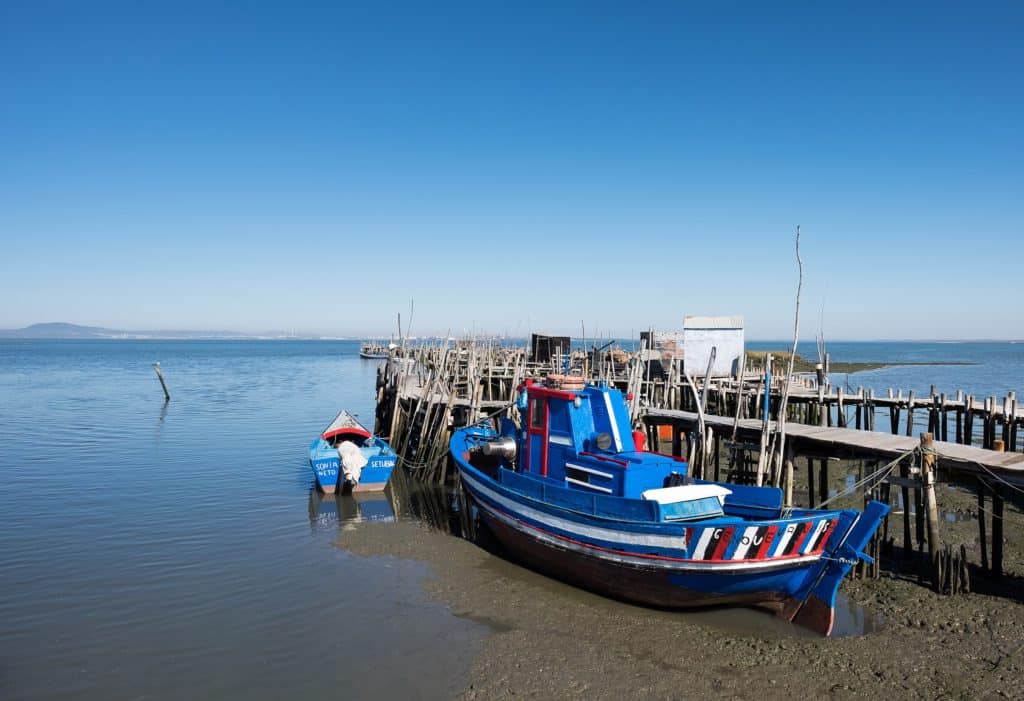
x=951, y=456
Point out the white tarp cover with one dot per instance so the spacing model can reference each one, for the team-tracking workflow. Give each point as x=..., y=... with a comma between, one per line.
x=686, y=492
x=352, y=461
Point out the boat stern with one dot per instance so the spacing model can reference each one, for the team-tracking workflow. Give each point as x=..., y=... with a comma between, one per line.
x=326, y=466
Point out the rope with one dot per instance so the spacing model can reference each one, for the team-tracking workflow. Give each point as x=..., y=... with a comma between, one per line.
x=878, y=475
x=1001, y=518
x=990, y=513
x=998, y=478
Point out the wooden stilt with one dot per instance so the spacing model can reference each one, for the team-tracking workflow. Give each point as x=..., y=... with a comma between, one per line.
x=997, y=533
x=982, y=515
x=810, y=483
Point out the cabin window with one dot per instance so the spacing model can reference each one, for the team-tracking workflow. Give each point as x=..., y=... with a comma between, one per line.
x=536, y=413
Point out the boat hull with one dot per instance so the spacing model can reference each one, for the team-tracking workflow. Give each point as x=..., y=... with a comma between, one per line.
x=327, y=472
x=635, y=584
x=375, y=475
x=326, y=467
x=661, y=583
x=800, y=588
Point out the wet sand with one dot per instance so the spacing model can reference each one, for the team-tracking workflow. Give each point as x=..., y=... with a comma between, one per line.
x=551, y=640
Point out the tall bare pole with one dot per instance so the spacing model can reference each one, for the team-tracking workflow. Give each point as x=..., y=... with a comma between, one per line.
x=779, y=444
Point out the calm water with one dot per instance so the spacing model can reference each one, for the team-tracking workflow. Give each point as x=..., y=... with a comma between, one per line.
x=167, y=551
x=994, y=368
x=153, y=551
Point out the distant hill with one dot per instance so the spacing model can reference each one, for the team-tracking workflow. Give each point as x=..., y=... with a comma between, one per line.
x=61, y=330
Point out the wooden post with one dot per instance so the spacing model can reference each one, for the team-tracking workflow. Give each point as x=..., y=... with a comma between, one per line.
x=823, y=480
x=990, y=422
x=860, y=408
x=905, y=495
x=981, y=525
x=810, y=483
x=928, y=483
x=789, y=474
x=959, y=416
x=997, y=533
x=910, y=413
x=718, y=456
x=160, y=376
x=822, y=410
x=969, y=419
x=1010, y=423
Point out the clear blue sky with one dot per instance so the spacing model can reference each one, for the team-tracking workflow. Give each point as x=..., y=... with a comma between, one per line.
x=313, y=167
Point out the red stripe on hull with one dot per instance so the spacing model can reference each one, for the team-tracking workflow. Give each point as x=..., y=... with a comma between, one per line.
x=799, y=538
x=723, y=543
x=769, y=538
x=829, y=530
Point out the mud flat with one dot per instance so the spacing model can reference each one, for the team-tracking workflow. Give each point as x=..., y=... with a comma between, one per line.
x=551, y=640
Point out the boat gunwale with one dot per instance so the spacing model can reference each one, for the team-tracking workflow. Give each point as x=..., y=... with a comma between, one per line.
x=657, y=560
x=808, y=514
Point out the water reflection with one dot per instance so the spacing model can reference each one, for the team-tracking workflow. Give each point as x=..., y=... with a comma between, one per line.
x=330, y=510
x=439, y=508
x=160, y=421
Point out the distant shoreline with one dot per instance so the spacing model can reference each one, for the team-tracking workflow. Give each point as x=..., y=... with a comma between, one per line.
x=67, y=331
x=801, y=364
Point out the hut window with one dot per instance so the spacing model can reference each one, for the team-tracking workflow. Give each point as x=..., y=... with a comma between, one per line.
x=536, y=413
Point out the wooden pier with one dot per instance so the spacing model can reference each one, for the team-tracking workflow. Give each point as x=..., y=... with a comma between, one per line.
x=900, y=440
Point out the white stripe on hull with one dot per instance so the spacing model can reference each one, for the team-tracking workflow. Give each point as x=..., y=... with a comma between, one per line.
x=616, y=557
x=650, y=563
x=787, y=536
x=745, y=543
x=814, y=536
x=702, y=544
x=580, y=530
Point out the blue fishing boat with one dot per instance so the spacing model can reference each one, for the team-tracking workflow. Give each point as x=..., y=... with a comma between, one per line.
x=573, y=493
x=347, y=456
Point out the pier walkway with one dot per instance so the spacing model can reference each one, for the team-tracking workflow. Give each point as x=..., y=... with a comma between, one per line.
x=835, y=441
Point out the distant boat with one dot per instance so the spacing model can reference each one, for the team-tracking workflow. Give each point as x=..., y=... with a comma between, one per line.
x=348, y=457
x=376, y=351
x=574, y=494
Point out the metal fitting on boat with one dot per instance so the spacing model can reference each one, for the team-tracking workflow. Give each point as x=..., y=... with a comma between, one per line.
x=504, y=447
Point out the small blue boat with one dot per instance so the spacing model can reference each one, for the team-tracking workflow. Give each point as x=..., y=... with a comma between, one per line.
x=573, y=494
x=348, y=457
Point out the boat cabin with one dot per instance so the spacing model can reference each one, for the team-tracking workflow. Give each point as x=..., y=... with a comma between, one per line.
x=580, y=436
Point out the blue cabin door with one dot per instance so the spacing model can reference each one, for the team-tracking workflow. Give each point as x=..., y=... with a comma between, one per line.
x=537, y=436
